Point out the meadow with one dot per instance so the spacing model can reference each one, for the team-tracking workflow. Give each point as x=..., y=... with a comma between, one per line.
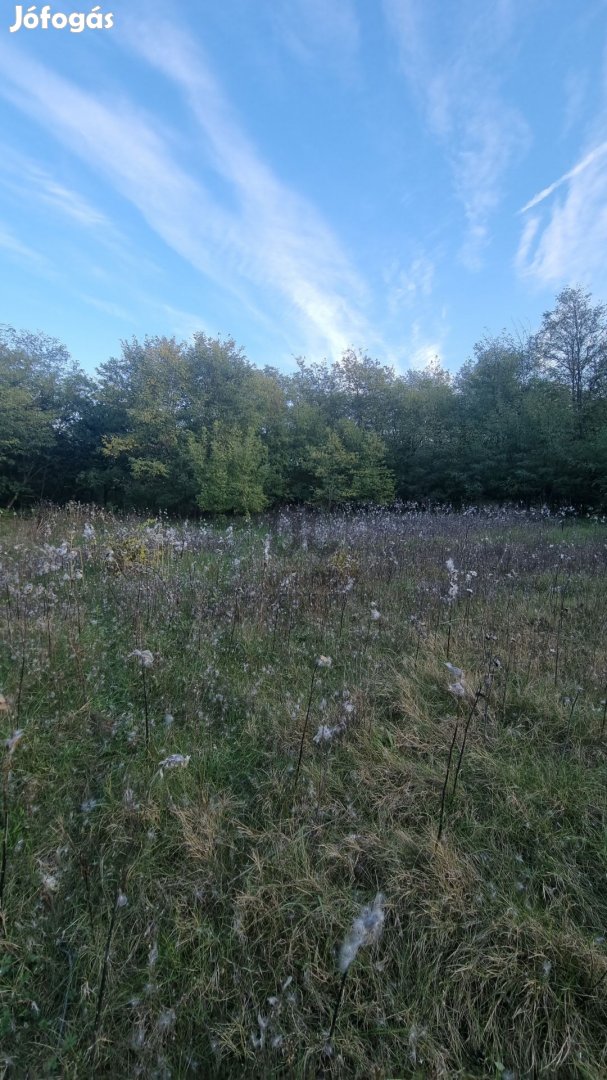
x=313, y=795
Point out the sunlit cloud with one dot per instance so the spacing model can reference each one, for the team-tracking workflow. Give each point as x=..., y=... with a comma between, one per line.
x=569, y=243
x=283, y=240
x=275, y=238
x=586, y=161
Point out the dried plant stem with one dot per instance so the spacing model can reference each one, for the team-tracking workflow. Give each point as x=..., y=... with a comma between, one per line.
x=338, y=1001
x=558, y=639
x=4, y=855
x=461, y=753
x=305, y=728
x=106, y=957
x=444, y=791
x=341, y=618
x=21, y=678
x=145, y=707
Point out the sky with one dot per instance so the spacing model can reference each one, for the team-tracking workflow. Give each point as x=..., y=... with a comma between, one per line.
x=305, y=176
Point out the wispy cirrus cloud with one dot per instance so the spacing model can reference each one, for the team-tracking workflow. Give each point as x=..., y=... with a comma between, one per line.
x=315, y=29
x=283, y=240
x=565, y=240
x=410, y=284
x=274, y=239
x=108, y=307
x=424, y=349
x=460, y=96
x=14, y=246
x=588, y=160
x=26, y=179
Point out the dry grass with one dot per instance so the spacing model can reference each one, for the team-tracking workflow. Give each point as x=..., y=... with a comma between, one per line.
x=240, y=887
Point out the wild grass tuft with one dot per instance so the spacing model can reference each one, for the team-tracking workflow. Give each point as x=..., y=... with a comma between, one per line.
x=187, y=839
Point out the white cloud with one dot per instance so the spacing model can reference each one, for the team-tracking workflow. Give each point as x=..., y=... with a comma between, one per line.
x=283, y=240
x=317, y=29
x=274, y=239
x=425, y=355
x=585, y=162
x=28, y=180
x=425, y=348
x=461, y=100
x=184, y=323
x=108, y=307
x=569, y=242
x=407, y=286
x=11, y=243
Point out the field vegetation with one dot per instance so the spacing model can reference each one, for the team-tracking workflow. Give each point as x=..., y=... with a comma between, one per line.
x=316, y=795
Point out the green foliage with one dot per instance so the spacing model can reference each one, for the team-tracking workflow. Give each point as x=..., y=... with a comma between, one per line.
x=350, y=467
x=35, y=383
x=229, y=465
x=193, y=426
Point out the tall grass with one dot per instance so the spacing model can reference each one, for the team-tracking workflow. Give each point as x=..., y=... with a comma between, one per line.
x=184, y=857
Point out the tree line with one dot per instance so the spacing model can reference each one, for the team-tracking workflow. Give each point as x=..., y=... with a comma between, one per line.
x=194, y=427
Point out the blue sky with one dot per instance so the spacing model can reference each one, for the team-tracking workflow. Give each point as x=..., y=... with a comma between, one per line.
x=304, y=175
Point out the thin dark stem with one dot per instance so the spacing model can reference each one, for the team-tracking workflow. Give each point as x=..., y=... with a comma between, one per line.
x=444, y=792
x=21, y=678
x=571, y=711
x=305, y=728
x=106, y=956
x=338, y=1000
x=4, y=857
x=145, y=708
x=468, y=723
x=66, y=996
x=84, y=870
x=343, y=611
x=558, y=639
x=506, y=676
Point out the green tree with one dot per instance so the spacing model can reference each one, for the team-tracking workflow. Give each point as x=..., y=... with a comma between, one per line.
x=572, y=344
x=36, y=372
x=350, y=467
x=230, y=468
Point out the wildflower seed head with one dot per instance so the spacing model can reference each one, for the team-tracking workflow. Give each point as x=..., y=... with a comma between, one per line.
x=175, y=761
x=13, y=741
x=145, y=657
x=366, y=930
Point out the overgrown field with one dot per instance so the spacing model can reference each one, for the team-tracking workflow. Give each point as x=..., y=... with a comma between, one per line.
x=224, y=742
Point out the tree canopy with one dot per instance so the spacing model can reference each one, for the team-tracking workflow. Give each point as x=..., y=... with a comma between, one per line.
x=194, y=427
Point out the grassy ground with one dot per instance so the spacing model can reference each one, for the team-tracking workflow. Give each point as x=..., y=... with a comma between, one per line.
x=185, y=919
